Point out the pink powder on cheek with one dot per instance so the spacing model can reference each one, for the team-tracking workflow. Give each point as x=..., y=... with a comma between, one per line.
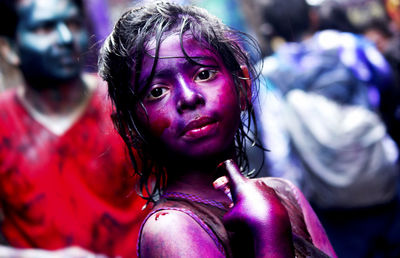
x=158, y=126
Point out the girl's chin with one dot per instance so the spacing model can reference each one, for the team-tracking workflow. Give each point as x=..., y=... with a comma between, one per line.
x=206, y=155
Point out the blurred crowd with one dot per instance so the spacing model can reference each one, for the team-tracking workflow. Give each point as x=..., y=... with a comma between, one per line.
x=328, y=107
x=329, y=113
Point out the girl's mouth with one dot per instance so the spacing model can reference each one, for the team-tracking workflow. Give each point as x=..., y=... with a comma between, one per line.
x=199, y=128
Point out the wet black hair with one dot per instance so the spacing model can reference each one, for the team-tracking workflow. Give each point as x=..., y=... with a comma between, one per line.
x=120, y=64
x=9, y=16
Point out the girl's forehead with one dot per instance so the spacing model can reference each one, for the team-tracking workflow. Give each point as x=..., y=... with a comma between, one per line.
x=171, y=47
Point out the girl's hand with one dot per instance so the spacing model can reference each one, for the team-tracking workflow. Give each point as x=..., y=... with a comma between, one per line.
x=257, y=208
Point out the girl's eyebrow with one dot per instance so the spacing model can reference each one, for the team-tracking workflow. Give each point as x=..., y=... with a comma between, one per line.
x=143, y=84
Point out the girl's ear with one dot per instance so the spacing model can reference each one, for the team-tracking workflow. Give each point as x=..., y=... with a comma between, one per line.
x=245, y=95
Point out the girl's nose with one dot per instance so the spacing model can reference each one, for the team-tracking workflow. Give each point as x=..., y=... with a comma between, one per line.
x=189, y=98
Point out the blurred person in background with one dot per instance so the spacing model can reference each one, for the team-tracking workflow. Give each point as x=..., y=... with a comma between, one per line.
x=319, y=116
x=65, y=178
x=378, y=31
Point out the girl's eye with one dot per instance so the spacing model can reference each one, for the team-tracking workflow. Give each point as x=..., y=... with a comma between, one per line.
x=205, y=75
x=156, y=93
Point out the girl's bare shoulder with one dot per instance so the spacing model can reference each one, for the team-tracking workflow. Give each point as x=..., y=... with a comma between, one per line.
x=174, y=233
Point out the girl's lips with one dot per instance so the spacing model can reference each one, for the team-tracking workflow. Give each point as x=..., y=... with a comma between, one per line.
x=197, y=133
x=199, y=128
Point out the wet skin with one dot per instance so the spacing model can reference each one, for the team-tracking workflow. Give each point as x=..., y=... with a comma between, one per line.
x=50, y=39
x=192, y=110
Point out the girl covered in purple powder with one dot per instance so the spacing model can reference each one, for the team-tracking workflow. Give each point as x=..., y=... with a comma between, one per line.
x=180, y=83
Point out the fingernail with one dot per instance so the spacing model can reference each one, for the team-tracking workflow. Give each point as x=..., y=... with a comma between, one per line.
x=220, y=182
x=225, y=164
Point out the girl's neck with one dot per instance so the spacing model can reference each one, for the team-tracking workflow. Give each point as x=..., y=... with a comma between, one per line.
x=195, y=178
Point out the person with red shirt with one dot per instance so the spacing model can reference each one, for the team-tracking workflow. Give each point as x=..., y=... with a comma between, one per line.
x=65, y=178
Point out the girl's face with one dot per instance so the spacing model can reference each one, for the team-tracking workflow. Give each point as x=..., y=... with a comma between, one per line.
x=193, y=111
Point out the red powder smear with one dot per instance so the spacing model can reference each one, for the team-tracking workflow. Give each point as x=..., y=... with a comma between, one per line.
x=160, y=214
x=159, y=126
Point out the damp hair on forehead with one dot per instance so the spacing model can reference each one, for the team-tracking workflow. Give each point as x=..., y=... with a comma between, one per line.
x=120, y=64
x=183, y=36
x=210, y=33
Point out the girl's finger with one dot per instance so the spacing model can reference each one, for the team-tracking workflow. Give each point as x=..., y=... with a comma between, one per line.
x=233, y=172
x=222, y=184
